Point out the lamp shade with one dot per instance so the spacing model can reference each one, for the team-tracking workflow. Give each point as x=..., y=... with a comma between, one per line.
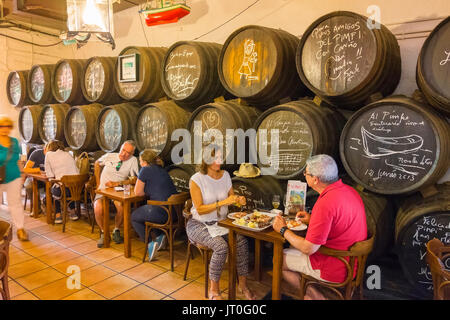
x=90, y=16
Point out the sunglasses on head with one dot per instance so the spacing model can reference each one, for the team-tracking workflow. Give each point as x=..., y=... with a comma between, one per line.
x=119, y=165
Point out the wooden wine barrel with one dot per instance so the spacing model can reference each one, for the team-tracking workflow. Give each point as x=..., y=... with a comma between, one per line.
x=344, y=62
x=305, y=129
x=67, y=79
x=395, y=146
x=51, y=122
x=115, y=125
x=189, y=75
x=222, y=116
x=138, y=74
x=155, y=124
x=28, y=124
x=258, y=64
x=40, y=83
x=79, y=127
x=16, y=88
x=258, y=192
x=433, y=68
x=181, y=174
x=418, y=221
x=98, y=81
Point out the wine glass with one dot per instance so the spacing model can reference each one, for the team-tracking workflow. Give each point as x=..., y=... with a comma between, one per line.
x=276, y=201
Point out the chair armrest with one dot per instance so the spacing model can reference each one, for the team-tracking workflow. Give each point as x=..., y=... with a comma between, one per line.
x=158, y=203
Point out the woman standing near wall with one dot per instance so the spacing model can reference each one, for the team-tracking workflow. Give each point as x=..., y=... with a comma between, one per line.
x=10, y=175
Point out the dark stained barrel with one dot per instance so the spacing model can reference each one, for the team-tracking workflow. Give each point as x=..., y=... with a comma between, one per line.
x=51, y=122
x=222, y=116
x=433, y=68
x=67, y=80
x=80, y=126
x=258, y=65
x=115, y=125
x=28, y=123
x=98, y=81
x=344, y=62
x=155, y=124
x=180, y=175
x=258, y=192
x=189, y=75
x=138, y=74
x=418, y=221
x=16, y=88
x=40, y=83
x=395, y=146
x=305, y=129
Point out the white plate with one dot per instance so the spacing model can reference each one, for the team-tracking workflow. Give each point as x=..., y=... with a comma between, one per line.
x=231, y=215
x=299, y=228
x=251, y=229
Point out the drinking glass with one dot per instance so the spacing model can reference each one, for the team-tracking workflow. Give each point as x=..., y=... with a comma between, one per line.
x=276, y=201
x=127, y=189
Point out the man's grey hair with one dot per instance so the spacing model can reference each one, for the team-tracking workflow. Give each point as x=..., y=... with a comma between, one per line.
x=323, y=167
x=131, y=143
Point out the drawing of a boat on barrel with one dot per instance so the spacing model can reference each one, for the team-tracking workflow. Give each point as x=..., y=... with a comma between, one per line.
x=376, y=146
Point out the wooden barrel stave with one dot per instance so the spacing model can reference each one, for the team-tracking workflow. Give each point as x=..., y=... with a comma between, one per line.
x=51, y=122
x=16, y=88
x=28, y=124
x=374, y=157
x=40, y=84
x=80, y=125
x=67, y=79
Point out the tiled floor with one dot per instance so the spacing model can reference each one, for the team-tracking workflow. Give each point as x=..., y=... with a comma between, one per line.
x=43, y=268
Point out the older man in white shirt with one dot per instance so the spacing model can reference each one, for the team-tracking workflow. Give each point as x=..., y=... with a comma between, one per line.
x=119, y=168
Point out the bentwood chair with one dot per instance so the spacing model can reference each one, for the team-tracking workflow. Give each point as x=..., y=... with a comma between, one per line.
x=204, y=251
x=354, y=259
x=174, y=207
x=437, y=252
x=74, y=184
x=5, y=239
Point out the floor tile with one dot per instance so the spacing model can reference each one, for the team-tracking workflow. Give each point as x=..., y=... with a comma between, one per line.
x=58, y=257
x=73, y=240
x=193, y=291
x=95, y=274
x=85, y=247
x=25, y=296
x=141, y=292
x=114, y=286
x=84, y=294
x=58, y=235
x=43, y=249
x=167, y=282
x=143, y=272
x=15, y=289
x=57, y=290
x=40, y=278
x=18, y=257
x=34, y=242
x=104, y=254
x=121, y=263
x=25, y=268
x=81, y=262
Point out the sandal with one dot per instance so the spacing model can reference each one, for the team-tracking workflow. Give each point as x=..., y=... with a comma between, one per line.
x=249, y=295
x=214, y=295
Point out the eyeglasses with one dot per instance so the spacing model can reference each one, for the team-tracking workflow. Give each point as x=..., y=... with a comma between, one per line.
x=307, y=174
x=119, y=165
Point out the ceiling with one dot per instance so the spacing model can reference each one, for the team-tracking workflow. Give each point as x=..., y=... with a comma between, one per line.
x=49, y=13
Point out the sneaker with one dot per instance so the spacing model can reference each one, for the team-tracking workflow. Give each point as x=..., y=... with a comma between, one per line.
x=58, y=219
x=74, y=217
x=100, y=241
x=161, y=241
x=117, y=237
x=152, y=247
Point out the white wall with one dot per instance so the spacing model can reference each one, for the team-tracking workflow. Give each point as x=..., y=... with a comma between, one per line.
x=401, y=17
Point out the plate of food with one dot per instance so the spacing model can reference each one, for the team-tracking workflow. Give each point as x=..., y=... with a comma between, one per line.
x=256, y=221
x=296, y=225
x=236, y=215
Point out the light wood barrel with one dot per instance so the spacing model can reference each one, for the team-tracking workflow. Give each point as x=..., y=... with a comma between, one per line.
x=51, y=122
x=40, y=83
x=16, y=88
x=28, y=124
x=67, y=81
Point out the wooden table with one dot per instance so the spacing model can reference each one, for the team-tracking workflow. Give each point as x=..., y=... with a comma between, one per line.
x=48, y=196
x=110, y=193
x=268, y=235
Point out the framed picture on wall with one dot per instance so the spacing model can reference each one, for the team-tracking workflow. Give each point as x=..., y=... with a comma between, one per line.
x=129, y=68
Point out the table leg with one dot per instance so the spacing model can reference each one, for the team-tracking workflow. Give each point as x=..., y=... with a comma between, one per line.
x=277, y=265
x=126, y=228
x=232, y=266
x=35, y=199
x=106, y=222
x=48, y=202
x=258, y=260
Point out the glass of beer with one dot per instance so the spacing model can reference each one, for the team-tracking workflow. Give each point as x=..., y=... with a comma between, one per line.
x=276, y=201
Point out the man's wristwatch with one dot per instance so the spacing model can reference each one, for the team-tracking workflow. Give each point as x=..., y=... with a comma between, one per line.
x=283, y=230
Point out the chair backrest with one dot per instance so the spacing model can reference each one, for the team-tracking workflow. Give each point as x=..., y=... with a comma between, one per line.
x=5, y=239
x=75, y=183
x=436, y=253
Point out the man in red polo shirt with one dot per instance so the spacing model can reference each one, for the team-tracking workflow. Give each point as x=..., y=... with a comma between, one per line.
x=337, y=221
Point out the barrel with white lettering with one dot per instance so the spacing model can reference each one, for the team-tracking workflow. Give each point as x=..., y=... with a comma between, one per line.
x=181, y=174
x=16, y=88
x=28, y=123
x=395, y=145
x=418, y=221
x=258, y=64
x=189, y=75
x=67, y=81
x=345, y=62
x=40, y=83
x=51, y=122
x=433, y=68
x=304, y=129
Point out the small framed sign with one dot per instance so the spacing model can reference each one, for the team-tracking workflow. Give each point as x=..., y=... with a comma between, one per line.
x=295, y=196
x=129, y=68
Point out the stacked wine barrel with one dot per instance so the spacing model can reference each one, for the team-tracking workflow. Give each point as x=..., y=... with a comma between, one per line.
x=189, y=75
x=51, y=122
x=345, y=63
x=28, y=124
x=67, y=80
x=16, y=88
x=181, y=174
x=40, y=84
